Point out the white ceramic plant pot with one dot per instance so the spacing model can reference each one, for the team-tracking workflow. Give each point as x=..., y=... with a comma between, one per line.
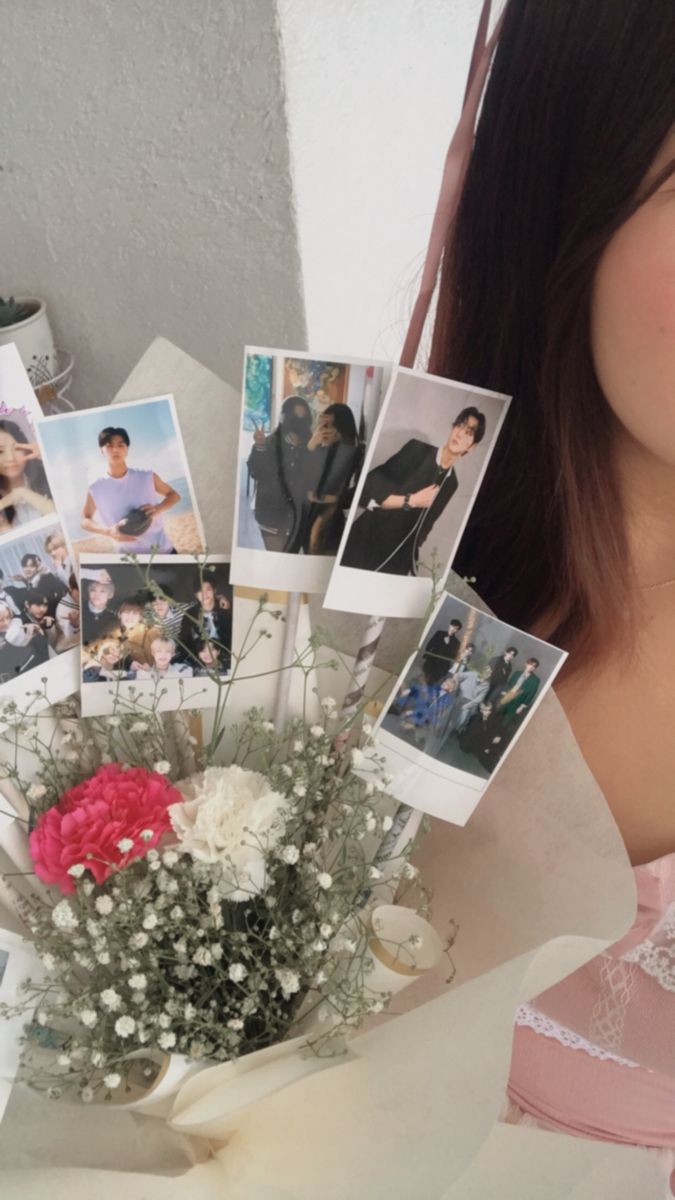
x=35, y=342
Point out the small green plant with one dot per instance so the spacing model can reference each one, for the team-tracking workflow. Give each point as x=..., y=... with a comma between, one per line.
x=12, y=311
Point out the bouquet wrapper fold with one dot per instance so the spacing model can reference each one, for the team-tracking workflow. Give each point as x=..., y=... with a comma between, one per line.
x=210, y=1104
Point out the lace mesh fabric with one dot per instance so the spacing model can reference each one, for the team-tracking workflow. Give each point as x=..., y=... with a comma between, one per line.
x=621, y=972
x=655, y=955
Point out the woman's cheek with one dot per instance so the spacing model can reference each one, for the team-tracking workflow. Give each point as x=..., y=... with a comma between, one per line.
x=633, y=326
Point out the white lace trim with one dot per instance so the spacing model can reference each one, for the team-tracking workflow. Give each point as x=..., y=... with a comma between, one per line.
x=531, y=1018
x=657, y=961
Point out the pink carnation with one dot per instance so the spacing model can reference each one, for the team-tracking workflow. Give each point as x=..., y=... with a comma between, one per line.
x=92, y=818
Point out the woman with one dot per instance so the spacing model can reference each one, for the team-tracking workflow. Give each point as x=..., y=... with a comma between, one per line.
x=24, y=492
x=333, y=460
x=557, y=286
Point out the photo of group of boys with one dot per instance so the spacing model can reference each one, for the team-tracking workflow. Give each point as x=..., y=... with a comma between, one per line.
x=304, y=431
x=39, y=611
x=165, y=619
x=464, y=699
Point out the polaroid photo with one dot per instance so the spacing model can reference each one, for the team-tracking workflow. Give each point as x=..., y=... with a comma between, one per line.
x=459, y=706
x=156, y=633
x=121, y=480
x=25, y=496
x=427, y=457
x=306, y=423
x=39, y=619
x=18, y=963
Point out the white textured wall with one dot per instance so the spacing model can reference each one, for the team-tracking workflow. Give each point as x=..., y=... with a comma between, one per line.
x=144, y=181
x=374, y=89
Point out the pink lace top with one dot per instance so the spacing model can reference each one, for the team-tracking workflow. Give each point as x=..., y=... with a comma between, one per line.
x=595, y=1055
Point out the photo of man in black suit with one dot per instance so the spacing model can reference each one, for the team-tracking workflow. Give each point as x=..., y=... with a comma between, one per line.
x=484, y=736
x=440, y=652
x=404, y=497
x=502, y=669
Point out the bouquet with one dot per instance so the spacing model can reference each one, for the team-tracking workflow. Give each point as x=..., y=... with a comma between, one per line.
x=197, y=897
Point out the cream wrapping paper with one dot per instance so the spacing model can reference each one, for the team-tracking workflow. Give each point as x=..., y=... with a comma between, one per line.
x=539, y=883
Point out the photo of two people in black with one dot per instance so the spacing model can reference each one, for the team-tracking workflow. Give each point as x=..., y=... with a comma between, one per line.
x=403, y=498
x=39, y=603
x=154, y=623
x=469, y=690
x=303, y=472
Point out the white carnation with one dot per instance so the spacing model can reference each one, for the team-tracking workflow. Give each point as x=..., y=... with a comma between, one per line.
x=233, y=817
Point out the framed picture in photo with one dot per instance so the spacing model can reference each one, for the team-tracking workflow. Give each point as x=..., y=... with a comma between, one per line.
x=459, y=706
x=305, y=426
x=157, y=632
x=121, y=480
x=421, y=474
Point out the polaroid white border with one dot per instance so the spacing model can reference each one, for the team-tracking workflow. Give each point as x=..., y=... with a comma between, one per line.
x=164, y=695
x=267, y=568
x=14, y=382
x=116, y=411
x=420, y=780
x=59, y=677
x=353, y=590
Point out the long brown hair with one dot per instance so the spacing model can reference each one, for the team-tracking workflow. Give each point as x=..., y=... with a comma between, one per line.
x=579, y=101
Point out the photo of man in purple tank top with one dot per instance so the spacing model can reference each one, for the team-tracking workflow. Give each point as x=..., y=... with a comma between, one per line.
x=128, y=504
